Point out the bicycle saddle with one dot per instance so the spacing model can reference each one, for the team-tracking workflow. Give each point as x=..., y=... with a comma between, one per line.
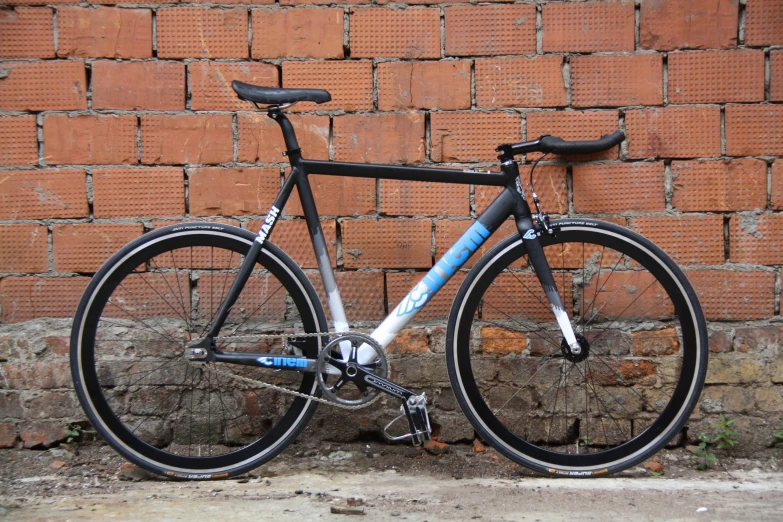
x=277, y=96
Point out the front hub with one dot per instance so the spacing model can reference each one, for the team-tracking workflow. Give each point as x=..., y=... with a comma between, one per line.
x=576, y=357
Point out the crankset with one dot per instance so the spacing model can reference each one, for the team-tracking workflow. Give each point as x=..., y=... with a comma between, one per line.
x=359, y=378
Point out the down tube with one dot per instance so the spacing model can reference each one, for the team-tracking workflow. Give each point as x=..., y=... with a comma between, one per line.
x=446, y=267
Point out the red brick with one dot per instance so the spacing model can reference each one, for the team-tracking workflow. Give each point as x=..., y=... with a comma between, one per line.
x=716, y=76
x=43, y=194
x=688, y=239
x=293, y=238
x=225, y=2
x=43, y=434
x=117, y=85
x=263, y=296
x=520, y=81
x=210, y=83
x=418, y=198
x=151, y=295
x=58, y=85
x=720, y=340
x=104, y=32
x=448, y=231
x=776, y=198
x=734, y=296
x=379, y=138
x=655, y=343
x=215, y=191
x=614, y=81
x=360, y=292
x=776, y=75
x=387, y=243
x=186, y=138
x=25, y=248
x=39, y=2
x=337, y=196
x=382, y=32
x=490, y=30
x=199, y=32
x=89, y=140
x=756, y=238
x=588, y=26
x=410, y=341
x=574, y=125
x=471, y=136
x=550, y=184
x=8, y=436
x=398, y=284
x=697, y=24
x=764, y=22
x=719, y=186
x=27, y=33
x=25, y=298
x=501, y=341
x=349, y=83
x=424, y=85
x=619, y=187
x=517, y=297
x=39, y=375
x=760, y=340
x=324, y=2
x=673, y=132
x=754, y=130
x=84, y=247
x=261, y=140
x=124, y=193
x=18, y=140
x=297, y=33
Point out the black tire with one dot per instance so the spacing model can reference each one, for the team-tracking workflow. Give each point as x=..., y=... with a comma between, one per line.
x=129, y=362
x=644, y=367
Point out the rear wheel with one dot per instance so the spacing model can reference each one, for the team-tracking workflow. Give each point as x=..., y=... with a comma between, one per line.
x=629, y=391
x=130, y=359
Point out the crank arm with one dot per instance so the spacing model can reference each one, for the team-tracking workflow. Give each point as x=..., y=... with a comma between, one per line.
x=414, y=406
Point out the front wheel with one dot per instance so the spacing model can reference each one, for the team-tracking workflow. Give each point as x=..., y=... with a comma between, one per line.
x=129, y=352
x=629, y=391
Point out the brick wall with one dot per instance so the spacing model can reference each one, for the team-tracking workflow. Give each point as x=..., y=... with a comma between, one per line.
x=117, y=117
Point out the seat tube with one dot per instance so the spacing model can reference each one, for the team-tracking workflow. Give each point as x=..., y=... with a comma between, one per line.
x=538, y=260
x=322, y=256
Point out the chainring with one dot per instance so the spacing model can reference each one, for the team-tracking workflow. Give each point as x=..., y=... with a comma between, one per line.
x=343, y=385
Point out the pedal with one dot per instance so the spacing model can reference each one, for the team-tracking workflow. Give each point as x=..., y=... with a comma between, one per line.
x=415, y=411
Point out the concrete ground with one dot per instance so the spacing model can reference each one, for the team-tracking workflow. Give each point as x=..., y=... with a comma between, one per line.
x=380, y=482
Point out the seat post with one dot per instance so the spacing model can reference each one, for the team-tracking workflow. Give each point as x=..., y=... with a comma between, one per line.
x=291, y=145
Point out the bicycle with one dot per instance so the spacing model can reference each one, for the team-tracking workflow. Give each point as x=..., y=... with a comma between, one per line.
x=574, y=347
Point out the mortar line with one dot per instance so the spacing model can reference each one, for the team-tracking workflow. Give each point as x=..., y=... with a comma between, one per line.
x=539, y=29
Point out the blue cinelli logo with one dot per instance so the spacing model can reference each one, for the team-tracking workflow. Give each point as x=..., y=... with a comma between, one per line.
x=470, y=241
x=277, y=362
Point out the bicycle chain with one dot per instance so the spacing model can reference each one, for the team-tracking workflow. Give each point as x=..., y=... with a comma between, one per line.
x=280, y=388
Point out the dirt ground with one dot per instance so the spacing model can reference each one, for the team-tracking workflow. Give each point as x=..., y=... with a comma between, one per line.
x=377, y=481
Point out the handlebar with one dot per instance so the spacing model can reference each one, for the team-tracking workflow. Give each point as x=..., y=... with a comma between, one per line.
x=547, y=143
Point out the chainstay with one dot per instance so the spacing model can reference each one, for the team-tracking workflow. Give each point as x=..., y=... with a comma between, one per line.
x=271, y=386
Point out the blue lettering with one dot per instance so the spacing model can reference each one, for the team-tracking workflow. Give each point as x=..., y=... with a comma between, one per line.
x=465, y=246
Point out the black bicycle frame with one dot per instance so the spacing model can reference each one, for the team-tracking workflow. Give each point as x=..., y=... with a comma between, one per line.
x=510, y=202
